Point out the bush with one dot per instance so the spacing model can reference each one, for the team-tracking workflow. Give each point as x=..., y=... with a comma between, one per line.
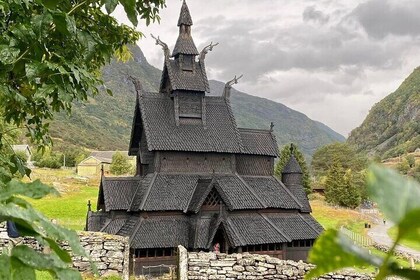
x=120, y=164
x=50, y=161
x=411, y=160
x=403, y=166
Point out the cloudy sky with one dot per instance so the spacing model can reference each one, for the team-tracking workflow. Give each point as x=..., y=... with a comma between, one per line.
x=330, y=59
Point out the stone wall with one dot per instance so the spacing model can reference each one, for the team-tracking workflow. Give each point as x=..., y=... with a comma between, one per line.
x=207, y=266
x=397, y=252
x=110, y=253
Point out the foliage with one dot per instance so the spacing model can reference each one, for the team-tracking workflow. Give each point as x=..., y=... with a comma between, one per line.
x=342, y=153
x=411, y=160
x=343, y=187
x=74, y=155
x=50, y=161
x=392, y=125
x=22, y=156
x=403, y=166
x=399, y=200
x=50, y=56
x=285, y=157
x=120, y=164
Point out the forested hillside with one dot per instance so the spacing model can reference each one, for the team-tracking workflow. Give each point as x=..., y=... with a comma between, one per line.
x=105, y=123
x=392, y=126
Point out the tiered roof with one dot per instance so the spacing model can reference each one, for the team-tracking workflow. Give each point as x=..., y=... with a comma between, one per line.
x=186, y=192
x=241, y=228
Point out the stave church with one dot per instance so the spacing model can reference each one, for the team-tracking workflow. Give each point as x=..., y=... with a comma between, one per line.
x=201, y=181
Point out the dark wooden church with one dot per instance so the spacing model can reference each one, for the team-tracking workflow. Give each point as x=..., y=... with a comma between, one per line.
x=200, y=179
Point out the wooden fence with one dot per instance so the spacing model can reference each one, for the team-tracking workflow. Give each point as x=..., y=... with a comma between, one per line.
x=357, y=238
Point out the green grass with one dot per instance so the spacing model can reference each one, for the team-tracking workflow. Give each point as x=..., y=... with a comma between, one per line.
x=70, y=208
x=392, y=232
x=331, y=217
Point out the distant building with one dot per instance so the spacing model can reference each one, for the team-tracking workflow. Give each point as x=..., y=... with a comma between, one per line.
x=23, y=148
x=91, y=166
x=201, y=181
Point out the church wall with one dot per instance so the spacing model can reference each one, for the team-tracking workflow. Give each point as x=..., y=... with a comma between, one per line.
x=254, y=165
x=190, y=162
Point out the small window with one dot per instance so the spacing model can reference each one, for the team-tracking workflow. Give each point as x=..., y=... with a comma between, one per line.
x=279, y=247
x=213, y=198
x=142, y=253
x=308, y=243
x=159, y=252
x=271, y=247
x=187, y=63
x=168, y=252
x=289, y=244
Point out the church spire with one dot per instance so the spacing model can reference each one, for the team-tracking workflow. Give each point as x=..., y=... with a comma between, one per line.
x=184, y=16
x=184, y=44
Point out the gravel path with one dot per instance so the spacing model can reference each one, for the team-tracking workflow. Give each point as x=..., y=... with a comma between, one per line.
x=379, y=234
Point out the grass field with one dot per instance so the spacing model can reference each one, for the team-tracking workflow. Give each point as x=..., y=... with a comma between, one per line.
x=69, y=209
x=331, y=217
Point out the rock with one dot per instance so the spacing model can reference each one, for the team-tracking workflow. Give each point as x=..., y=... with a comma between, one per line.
x=238, y=268
x=222, y=263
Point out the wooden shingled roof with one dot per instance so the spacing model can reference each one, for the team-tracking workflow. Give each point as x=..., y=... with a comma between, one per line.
x=198, y=232
x=220, y=133
x=186, y=192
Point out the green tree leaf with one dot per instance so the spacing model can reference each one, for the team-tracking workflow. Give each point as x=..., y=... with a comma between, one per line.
x=8, y=55
x=394, y=194
x=63, y=254
x=35, y=189
x=5, y=267
x=333, y=251
x=110, y=5
x=130, y=9
x=20, y=271
x=409, y=227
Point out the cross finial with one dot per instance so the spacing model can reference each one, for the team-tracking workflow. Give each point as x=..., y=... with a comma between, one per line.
x=271, y=126
x=89, y=206
x=292, y=148
x=102, y=170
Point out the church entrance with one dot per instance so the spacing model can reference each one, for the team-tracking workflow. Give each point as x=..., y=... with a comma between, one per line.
x=220, y=243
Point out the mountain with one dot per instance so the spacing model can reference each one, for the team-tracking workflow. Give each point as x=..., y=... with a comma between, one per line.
x=392, y=126
x=105, y=121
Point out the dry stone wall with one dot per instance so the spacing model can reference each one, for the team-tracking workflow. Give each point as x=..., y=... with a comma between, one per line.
x=110, y=253
x=207, y=266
